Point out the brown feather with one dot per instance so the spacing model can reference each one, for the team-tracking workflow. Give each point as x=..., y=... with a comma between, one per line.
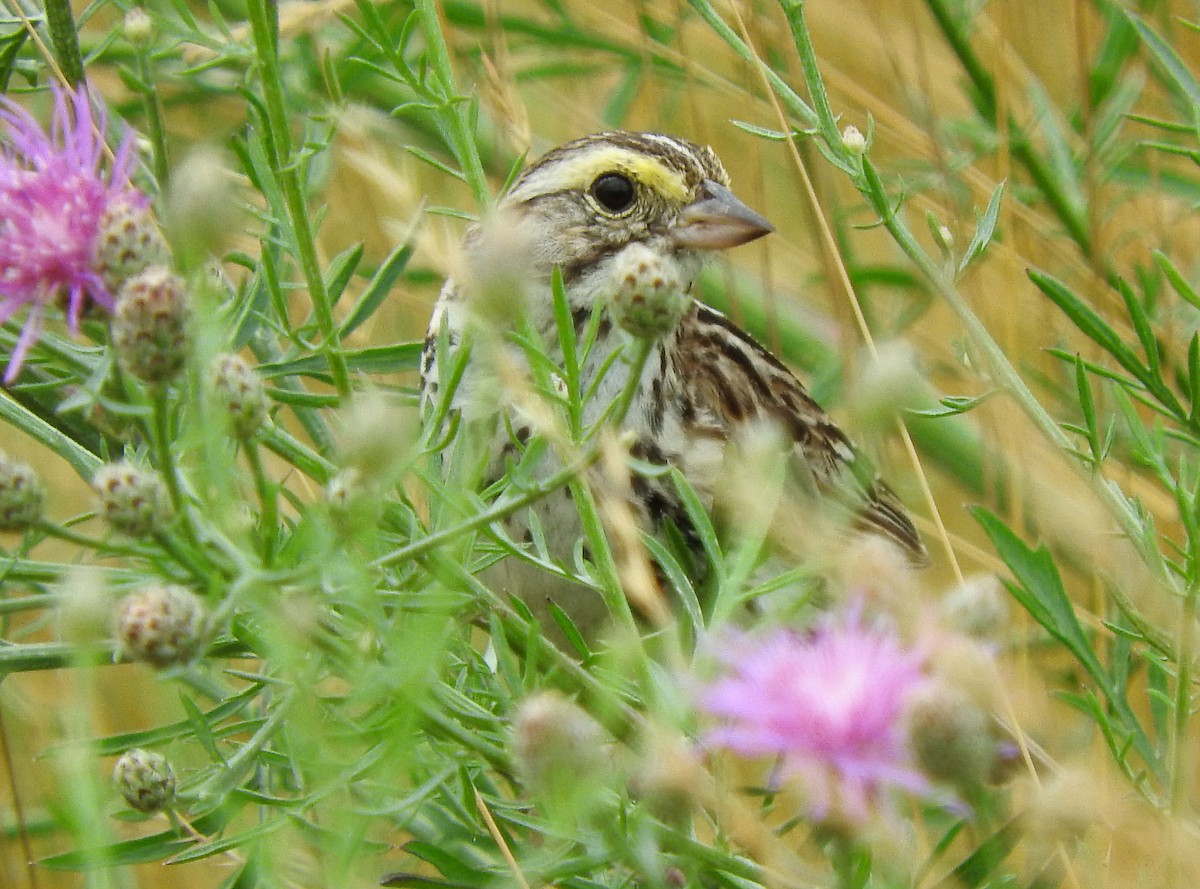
x=731, y=379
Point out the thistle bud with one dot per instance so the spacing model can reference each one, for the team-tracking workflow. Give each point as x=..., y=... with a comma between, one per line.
x=890, y=383
x=558, y=748
x=150, y=325
x=161, y=625
x=133, y=500
x=239, y=388
x=343, y=488
x=375, y=436
x=854, y=141
x=21, y=495
x=139, y=29
x=495, y=272
x=145, y=779
x=977, y=608
x=203, y=207
x=129, y=241
x=950, y=735
x=668, y=776
x=648, y=299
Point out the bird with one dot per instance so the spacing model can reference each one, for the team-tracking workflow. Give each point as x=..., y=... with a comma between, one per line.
x=623, y=223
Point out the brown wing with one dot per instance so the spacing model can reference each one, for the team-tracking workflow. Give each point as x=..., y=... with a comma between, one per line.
x=730, y=379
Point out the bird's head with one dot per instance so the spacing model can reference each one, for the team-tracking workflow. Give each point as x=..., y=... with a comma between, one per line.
x=585, y=201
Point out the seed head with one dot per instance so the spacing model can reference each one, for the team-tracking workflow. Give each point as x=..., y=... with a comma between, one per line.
x=21, y=495
x=161, y=625
x=150, y=325
x=133, y=500
x=145, y=779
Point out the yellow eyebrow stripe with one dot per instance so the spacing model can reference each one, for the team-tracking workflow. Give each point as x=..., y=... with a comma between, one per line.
x=647, y=171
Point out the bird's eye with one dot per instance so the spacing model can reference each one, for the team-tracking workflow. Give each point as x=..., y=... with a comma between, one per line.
x=614, y=192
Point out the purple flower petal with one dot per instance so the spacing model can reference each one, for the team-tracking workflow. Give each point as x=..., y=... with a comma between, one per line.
x=828, y=704
x=53, y=194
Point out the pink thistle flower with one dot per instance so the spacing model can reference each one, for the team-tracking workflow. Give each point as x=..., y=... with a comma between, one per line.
x=830, y=704
x=53, y=194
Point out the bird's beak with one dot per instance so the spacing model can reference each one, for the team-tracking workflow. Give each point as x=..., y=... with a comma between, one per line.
x=717, y=220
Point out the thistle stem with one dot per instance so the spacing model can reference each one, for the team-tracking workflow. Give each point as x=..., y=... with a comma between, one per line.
x=161, y=439
x=152, y=107
x=616, y=412
x=460, y=133
x=295, y=452
x=264, y=23
x=183, y=555
x=63, y=35
x=269, y=520
x=499, y=511
x=60, y=532
x=1180, y=748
